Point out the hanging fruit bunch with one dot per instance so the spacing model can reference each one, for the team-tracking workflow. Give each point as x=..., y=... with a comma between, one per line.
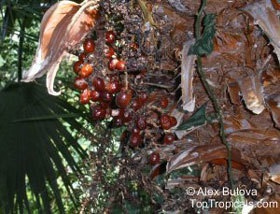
x=118, y=78
x=122, y=73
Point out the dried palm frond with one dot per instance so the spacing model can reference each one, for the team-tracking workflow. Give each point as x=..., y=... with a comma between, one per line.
x=266, y=17
x=63, y=26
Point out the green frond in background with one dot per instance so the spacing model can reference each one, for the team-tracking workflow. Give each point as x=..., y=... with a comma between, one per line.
x=35, y=148
x=13, y=11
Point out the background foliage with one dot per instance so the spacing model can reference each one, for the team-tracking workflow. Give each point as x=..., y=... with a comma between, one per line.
x=39, y=133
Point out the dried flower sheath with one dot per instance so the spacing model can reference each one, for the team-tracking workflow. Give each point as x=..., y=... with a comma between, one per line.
x=64, y=25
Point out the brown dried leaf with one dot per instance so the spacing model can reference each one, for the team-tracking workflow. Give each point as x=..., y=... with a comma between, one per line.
x=199, y=155
x=233, y=90
x=177, y=23
x=273, y=103
x=223, y=162
x=187, y=70
x=227, y=43
x=274, y=173
x=252, y=92
x=266, y=17
x=250, y=136
x=275, y=4
x=237, y=123
x=64, y=25
x=255, y=136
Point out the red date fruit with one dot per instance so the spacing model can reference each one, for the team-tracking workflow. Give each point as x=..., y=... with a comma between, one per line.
x=98, y=84
x=98, y=112
x=77, y=66
x=154, y=158
x=86, y=70
x=168, y=138
x=135, y=139
x=143, y=97
x=165, y=122
x=120, y=65
x=109, y=52
x=80, y=83
x=123, y=98
x=85, y=96
x=110, y=37
x=89, y=45
x=106, y=96
x=173, y=121
x=113, y=86
x=95, y=95
x=112, y=64
x=82, y=57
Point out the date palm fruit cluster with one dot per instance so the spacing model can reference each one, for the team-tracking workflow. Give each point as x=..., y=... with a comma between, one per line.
x=110, y=85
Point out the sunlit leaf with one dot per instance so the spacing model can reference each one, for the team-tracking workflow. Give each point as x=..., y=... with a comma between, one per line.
x=2, y=61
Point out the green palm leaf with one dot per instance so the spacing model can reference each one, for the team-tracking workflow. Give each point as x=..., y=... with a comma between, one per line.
x=35, y=147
